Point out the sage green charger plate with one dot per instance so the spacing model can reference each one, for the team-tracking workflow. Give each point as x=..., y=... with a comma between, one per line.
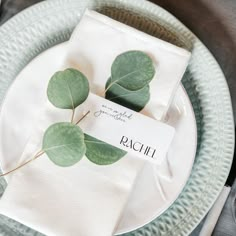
x=52, y=22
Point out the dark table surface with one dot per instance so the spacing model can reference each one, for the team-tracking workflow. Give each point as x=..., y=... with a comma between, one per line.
x=213, y=21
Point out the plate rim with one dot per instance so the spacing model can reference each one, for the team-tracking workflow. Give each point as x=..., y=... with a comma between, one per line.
x=181, y=90
x=152, y=12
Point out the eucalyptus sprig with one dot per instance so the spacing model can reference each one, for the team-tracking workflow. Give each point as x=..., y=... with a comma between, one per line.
x=132, y=70
x=68, y=89
x=65, y=143
x=128, y=85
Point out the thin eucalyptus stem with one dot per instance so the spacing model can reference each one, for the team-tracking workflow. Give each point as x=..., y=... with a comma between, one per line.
x=82, y=117
x=73, y=114
x=37, y=155
x=108, y=87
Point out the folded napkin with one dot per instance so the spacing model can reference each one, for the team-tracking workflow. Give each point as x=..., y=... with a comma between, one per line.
x=87, y=199
x=213, y=215
x=97, y=40
x=226, y=224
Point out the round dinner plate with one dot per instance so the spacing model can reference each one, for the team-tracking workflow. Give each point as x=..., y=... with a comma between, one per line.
x=147, y=201
x=51, y=22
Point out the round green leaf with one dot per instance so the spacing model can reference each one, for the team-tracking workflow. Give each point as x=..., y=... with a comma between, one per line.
x=64, y=144
x=100, y=152
x=68, y=89
x=132, y=70
x=135, y=100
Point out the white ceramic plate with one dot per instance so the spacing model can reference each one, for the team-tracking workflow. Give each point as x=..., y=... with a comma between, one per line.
x=146, y=202
x=52, y=22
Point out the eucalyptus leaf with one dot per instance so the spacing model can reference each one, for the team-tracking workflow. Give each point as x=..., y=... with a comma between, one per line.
x=132, y=70
x=68, y=89
x=100, y=152
x=64, y=144
x=135, y=100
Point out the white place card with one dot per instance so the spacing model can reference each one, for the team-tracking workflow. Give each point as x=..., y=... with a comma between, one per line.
x=126, y=129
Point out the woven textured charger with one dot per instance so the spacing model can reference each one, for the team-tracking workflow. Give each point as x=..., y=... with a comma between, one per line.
x=52, y=22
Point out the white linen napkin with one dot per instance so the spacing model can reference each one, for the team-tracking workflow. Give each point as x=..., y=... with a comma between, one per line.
x=87, y=199
x=214, y=213
x=96, y=42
